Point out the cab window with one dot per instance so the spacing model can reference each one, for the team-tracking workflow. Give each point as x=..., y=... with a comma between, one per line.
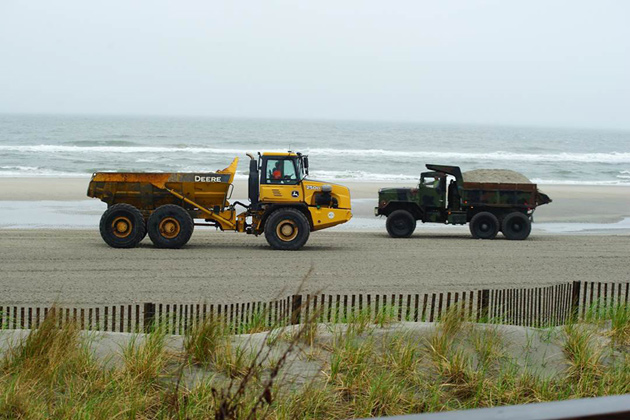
x=281, y=171
x=435, y=181
x=429, y=181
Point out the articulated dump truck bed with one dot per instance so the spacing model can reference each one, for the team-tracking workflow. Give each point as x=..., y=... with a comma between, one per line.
x=148, y=191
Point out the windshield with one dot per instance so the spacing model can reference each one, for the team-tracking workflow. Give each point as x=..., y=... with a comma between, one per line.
x=282, y=171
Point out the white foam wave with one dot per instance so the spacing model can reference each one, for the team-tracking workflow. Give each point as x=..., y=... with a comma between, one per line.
x=51, y=148
x=361, y=176
x=580, y=182
x=613, y=157
x=332, y=176
x=352, y=176
x=33, y=171
x=20, y=168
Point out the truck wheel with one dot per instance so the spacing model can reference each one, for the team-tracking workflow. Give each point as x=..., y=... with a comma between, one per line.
x=287, y=229
x=516, y=226
x=400, y=224
x=484, y=225
x=170, y=226
x=122, y=226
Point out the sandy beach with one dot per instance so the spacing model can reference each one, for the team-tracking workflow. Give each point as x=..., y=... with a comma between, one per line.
x=75, y=266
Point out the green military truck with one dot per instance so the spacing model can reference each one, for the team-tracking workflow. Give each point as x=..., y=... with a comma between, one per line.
x=444, y=197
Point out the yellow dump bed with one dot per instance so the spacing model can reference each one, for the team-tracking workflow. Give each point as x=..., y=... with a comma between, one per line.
x=147, y=191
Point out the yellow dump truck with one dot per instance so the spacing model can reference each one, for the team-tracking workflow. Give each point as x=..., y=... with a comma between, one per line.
x=283, y=203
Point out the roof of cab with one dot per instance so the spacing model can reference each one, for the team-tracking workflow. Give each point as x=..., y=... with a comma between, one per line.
x=279, y=154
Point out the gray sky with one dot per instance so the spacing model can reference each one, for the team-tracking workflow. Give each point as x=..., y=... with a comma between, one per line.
x=471, y=61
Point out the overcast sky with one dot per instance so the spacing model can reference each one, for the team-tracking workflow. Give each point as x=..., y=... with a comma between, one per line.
x=560, y=63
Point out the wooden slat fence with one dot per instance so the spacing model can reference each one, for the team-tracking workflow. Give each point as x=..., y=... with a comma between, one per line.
x=117, y=318
x=538, y=306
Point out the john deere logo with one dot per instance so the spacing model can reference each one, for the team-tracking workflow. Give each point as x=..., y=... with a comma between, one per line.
x=295, y=194
x=207, y=178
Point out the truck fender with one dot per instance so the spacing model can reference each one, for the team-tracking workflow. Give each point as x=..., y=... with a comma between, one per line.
x=411, y=207
x=273, y=207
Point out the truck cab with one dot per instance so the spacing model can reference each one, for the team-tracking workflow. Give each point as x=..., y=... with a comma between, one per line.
x=280, y=180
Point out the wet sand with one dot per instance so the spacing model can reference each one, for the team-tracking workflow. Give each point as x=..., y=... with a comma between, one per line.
x=572, y=203
x=75, y=266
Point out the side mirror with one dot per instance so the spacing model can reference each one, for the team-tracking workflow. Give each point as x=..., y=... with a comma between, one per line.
x=306, y=164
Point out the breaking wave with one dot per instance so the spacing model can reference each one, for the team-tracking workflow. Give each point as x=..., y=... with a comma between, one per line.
x=499, y=156
x=332, y=176
x=33, y=171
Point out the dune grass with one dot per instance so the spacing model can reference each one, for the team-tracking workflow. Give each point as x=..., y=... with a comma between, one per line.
x=368, y=366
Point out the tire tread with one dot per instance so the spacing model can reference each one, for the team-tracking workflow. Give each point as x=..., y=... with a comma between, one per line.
x=410, y=219
x=138, y=225
x=187, y=226
x=479, y=216
x=303, y=229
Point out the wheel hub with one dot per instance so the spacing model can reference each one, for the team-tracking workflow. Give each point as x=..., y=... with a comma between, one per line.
x=121, y=227
x=169, y=228
x=287, y=230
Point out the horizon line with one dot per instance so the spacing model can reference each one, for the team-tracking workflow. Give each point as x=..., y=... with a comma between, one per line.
x=321, y=119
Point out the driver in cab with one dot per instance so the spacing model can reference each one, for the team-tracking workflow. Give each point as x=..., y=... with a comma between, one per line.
x=276, y=174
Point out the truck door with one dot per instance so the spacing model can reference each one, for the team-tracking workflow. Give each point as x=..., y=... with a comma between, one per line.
x=280, y=180
x=433, y=190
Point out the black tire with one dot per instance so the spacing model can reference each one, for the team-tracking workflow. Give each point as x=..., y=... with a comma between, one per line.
x=287, y=229
x=170, y=226
x=484, y=225
x=400, y=224
x=122, y=226
x=145, y=230
x=516, y=226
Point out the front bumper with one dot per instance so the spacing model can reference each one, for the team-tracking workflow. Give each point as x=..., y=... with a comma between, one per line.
x=326, y=217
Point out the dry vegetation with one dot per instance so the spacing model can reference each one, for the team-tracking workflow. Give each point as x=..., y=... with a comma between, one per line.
x=366, y=367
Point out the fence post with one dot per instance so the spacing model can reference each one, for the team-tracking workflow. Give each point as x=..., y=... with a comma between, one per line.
x=296, y=309
x=485, y=303
x=149, y=316
x=575, y=301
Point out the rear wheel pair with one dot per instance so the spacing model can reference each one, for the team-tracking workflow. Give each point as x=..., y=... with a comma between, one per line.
x=123, y=226
x=515, y=226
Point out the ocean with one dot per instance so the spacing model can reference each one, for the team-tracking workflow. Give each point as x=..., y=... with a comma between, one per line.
x=65, y=146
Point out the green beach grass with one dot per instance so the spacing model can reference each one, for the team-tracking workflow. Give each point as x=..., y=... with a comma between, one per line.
x=368, y=366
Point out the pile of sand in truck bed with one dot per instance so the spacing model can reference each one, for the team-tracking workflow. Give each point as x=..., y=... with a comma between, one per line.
x=504, y=176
